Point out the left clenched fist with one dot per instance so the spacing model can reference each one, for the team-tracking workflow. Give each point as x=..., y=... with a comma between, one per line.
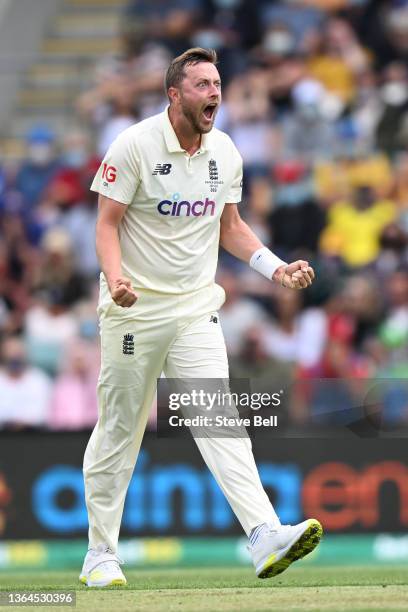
x=297, y=275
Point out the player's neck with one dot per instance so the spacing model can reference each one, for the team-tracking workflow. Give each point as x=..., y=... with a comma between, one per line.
x=188, y=138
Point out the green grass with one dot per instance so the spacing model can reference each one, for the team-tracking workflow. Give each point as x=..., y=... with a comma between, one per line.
x=348, y=589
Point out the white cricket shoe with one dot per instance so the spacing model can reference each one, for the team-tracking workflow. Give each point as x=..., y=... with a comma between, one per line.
x=273, y=549
x=101, y=568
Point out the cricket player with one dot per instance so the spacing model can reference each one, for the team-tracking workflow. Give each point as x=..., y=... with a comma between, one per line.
x=169, y=189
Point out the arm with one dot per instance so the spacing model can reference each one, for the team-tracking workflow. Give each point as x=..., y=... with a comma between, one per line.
x=110, y=214
x=237, y=238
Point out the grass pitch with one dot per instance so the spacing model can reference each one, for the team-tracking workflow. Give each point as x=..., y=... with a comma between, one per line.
x=348, y=589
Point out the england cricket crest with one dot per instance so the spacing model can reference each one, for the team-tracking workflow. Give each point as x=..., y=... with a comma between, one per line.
x=213, y=176
x=128, y=344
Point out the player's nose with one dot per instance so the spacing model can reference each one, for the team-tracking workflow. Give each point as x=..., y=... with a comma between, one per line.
x=215, y=91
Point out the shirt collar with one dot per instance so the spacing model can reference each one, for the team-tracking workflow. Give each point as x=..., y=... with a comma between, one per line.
x=172, y=142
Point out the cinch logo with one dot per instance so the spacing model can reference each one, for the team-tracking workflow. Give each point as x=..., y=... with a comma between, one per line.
x=185, y=208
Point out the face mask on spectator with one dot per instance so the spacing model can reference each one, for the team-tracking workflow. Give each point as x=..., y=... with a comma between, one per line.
x=75, y=158
x=366, y=93
x=310, y=112
x=207, y=39
x=40, y=153
x=294, y=195
x=15, y=365
x=395, y=94
x=278, y=42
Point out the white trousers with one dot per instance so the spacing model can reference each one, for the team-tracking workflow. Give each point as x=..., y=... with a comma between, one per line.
x=159, y=333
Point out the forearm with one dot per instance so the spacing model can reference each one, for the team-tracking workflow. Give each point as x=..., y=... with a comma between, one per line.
x=108, y=251
x=239, y=240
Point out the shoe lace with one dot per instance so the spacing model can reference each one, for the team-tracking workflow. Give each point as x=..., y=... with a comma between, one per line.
x=107, y=565
x=101, y=548
x=117, y=558
x=271, y=530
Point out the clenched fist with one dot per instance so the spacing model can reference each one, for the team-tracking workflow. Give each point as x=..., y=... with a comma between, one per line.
x=122, y=292
x=297, y=275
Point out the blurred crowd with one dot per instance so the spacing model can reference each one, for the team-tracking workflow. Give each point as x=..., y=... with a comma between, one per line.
x=316, y=100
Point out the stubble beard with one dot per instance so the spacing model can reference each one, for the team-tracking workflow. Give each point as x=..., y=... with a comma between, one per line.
x=193, y=120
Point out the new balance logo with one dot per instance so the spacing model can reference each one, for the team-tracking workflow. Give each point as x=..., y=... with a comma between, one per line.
x=213, y=319
x=161, y=169
x=128, y=344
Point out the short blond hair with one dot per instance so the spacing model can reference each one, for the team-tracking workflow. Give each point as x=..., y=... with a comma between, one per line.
x=175, y=72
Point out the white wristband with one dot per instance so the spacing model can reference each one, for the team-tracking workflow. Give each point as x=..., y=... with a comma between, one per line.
x=265, y=262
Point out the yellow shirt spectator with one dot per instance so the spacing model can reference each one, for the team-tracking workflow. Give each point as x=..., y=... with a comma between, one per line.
x=353, y=231
x=335, y=75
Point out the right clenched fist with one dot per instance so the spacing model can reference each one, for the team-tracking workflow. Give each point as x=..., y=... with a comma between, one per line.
x=122, y=292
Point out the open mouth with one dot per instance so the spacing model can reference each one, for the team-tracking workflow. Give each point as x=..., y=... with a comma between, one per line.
x=209, y=111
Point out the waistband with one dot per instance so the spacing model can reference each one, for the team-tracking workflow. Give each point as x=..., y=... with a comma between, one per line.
x=154, y=304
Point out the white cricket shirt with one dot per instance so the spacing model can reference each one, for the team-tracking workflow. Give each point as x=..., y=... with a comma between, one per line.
x=169, y=234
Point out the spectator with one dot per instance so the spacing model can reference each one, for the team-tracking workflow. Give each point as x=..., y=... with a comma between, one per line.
x=337, y=60
x=307, y=133
x=254, y=362
x=294, y=336
x=73, y=404
x=167, y=22
x=393, y=250
x=38, y=168
x=125, y=90
x=295, y=17
x=401, y=187
x=297, y=218
x=282, y=65
x=5, y=498
x=354, y=228
x=79, y=223
x=238, y=313
x=382, y=27
x=50, y=323
x=247, y=118
x=58, y=275
x=25, y=390
x=18, y=261
x=66, y=189
x=394, y=328
x=239, y=21
x=366, y=111
x=392, y=129
x=361, y=304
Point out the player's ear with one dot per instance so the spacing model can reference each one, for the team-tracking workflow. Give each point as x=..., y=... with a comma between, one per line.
x=174, y=94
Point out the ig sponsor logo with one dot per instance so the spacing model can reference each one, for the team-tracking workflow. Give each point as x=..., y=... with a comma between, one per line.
x=109, y=173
